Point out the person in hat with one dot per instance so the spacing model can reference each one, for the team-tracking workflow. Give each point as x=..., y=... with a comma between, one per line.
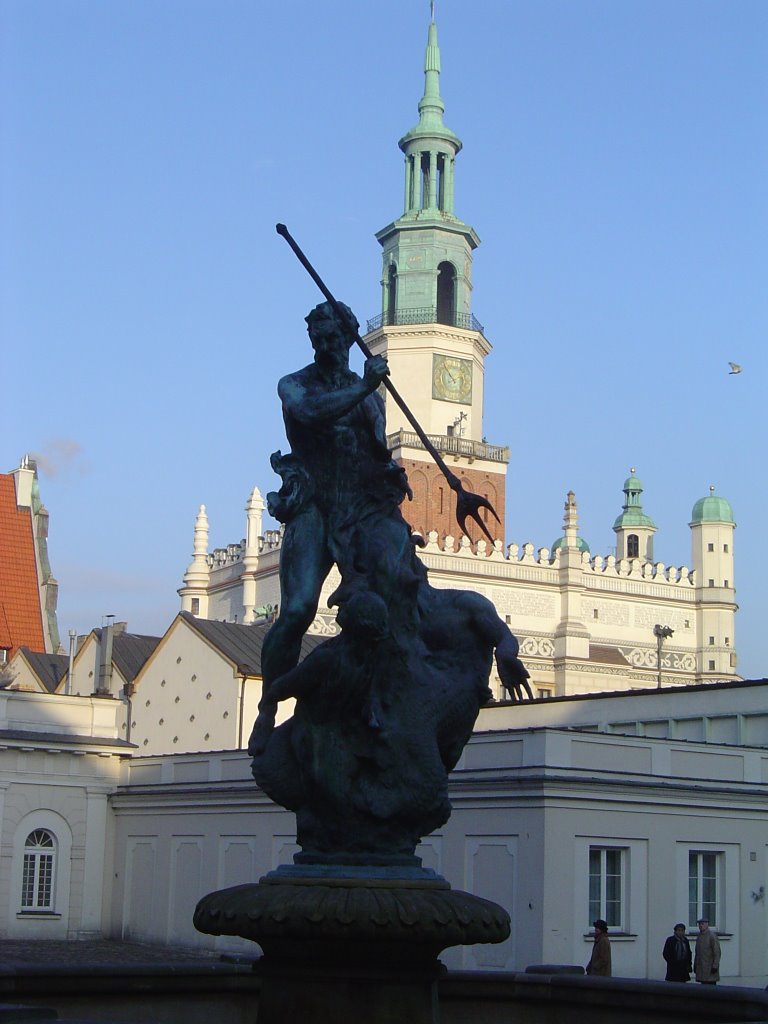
x=706, y=962
x=600, y=961
x=677, y=953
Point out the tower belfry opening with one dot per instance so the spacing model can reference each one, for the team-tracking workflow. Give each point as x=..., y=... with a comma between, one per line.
x=446, y=286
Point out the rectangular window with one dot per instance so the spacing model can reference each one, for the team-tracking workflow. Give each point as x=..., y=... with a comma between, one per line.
x=725, y=583
x=711, y=666
x=544, y=692
x=37, y=882
x=595, y=614
x=606, y=884
x=704, y=871
x=711, y=583
x=725, y=549
x=710, y=547
x=711, y=641
x=195, y=605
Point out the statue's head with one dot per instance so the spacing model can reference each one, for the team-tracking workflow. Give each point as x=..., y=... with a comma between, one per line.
x=364, y=615
x=323, y=323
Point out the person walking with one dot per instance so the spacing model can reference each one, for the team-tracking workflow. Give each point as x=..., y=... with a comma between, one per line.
x=677, y=953
x=706, y=962
x=600, y=961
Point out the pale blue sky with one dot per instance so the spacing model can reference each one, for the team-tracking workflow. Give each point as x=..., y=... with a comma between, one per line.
x=615, y=165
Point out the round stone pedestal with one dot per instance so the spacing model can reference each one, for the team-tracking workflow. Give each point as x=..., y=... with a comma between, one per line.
x=338, y=949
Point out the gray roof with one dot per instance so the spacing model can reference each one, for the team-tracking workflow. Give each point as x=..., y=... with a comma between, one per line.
x=50, y=669
x=242, y=644
x=59, y=738
x=130, y=651
x=607, y=655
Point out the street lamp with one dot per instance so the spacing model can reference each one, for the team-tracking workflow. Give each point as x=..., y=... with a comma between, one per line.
x=661, y=633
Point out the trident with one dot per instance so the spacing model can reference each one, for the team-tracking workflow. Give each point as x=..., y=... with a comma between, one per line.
x=468, y=505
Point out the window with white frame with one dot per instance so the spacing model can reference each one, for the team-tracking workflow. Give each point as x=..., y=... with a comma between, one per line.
x=704, y=882
x=37, y=886
x=607, y=868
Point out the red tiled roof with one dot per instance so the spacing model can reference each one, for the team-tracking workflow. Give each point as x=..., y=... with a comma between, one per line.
x=21, y=620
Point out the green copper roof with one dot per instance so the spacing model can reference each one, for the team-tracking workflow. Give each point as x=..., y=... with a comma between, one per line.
x=712, y=509
x=633, y=516
x=431, y=106
x=581, y=544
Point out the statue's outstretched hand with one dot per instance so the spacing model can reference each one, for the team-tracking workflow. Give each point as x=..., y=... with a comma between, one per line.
x=512, y=672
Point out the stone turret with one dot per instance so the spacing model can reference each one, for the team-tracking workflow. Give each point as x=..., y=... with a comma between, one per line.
x=254, y=514
x=194, y=593
x=571, y=635
x=712, y=529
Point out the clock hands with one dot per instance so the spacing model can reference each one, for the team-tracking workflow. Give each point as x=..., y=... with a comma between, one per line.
x=468, y=505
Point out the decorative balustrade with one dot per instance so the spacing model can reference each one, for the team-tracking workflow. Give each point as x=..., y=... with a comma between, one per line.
x=448, y=445
x=424, y=315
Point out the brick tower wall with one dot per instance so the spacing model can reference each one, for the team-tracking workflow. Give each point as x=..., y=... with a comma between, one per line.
x=434, y=503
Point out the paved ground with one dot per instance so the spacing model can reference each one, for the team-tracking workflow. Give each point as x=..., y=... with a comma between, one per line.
x=103, y=952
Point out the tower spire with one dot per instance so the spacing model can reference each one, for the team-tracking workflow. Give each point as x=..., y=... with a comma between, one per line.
x=430, y=148
x=431, y=106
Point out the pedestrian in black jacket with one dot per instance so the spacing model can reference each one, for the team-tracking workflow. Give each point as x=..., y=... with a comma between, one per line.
x=677, y=953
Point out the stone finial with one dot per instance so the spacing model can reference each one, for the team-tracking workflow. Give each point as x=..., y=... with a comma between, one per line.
x=571, y=520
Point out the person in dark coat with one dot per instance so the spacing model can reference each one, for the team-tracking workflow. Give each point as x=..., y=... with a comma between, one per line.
x=677, y=953
x=600, y=961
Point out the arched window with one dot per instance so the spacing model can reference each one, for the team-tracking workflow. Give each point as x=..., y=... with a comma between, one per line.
x=633, y=546
x=37, y=886
x=446, y=293
x=391, y=294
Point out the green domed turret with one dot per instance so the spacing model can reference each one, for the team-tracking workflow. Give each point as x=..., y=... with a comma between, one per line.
x=633, y=515
x=712, y=509
x=581, y=544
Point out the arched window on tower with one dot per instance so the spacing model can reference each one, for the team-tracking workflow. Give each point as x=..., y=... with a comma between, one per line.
x=391, y=294
x=446, y=293
x=37, y=885
x=633, y=546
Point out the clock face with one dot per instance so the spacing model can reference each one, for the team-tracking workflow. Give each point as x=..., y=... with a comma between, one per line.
x=451, y=379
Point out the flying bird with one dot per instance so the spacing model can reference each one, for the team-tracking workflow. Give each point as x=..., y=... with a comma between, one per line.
x=735, y=368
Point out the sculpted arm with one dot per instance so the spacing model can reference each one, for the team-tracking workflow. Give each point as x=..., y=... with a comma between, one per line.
x=307, y=403
x=513, y=674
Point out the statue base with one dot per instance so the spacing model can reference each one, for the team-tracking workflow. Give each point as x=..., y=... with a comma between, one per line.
x=340, y=945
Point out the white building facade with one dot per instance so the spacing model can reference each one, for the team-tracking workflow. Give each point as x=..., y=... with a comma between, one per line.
x=564, y=810
x=585, y=622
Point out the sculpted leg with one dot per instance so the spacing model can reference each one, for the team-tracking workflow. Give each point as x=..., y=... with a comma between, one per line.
x=304, y=564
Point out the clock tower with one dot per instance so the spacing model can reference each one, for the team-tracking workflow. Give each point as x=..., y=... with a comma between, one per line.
x=435, y=346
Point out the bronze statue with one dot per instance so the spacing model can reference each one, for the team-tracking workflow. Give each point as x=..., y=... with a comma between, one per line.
x=383, y=710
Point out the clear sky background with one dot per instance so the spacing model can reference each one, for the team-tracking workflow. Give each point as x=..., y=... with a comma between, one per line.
x=615, y=166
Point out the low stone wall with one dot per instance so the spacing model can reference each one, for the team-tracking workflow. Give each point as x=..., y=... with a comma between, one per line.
x=228, y=994
x=486, y=998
